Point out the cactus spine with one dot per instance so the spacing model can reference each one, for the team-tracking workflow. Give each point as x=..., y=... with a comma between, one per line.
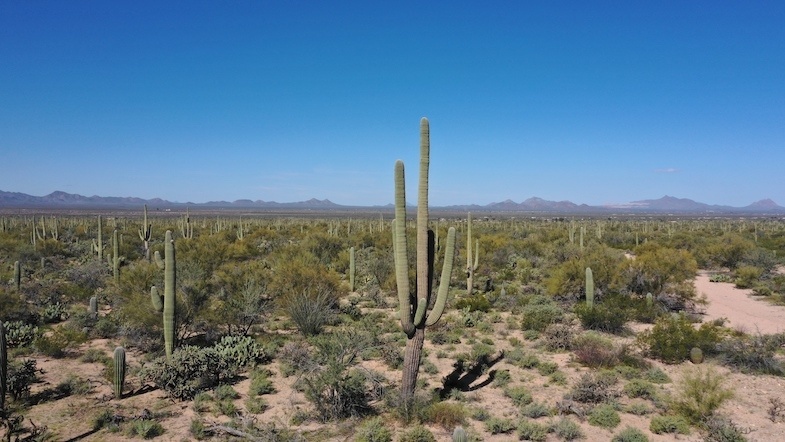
x=119, y=372
x=589, y=288
x=351, y=269
x=413, y=306
x=144, y=234
x=3, y=366
x=470, y=267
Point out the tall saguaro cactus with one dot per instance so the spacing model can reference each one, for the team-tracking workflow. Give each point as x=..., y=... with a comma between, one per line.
x=351, y=269
x=144, y=234
x=99, y=246
x=3, y=366
x=17, y=276
x=413, y=306
x=471, y=267
x=115, y=257
x=589, y=288
x=168, y=305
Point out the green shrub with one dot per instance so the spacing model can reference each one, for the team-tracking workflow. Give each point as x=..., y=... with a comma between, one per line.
x=503, y=378
x=530, y=430
x=672, y=338
x=558, y=337
x=723, y=429
x=608, y=316
x=59, y=341
x=224, y=392
x=499, y=425
x=447, y=415
x=640, y=388
x=520, y=395
x=417, y=433
x=753, y=354
x=567, y=429
x=145, y=428
x=604, y=416
x=475, y=303
x=656, y=375
x=630, y=434
x=310, y=311
x=373, y=430
x=261, y=383
x=539, y=313
x=547, y=368
x=20, y=377
x=669, y=424
x=535, y=410
x=699, y=394
x=594, y=350
x=747, y=276
x=594, y=388
x=256, y=405
x=637, y=409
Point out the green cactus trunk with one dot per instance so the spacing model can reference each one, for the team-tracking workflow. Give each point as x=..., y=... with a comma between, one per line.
x=93, y=307
x=471, y=267
x=3, y=366
x=169, y=294
x=17, y=276
x=459, y=435
x=413, y=306
x=115, y=257
x=351, y=269
x=589, y=288
x=144, y=234
x=119, y=372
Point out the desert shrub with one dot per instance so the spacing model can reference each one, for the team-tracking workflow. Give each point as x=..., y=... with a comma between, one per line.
x=260, y=383
x=535, y=410
x=188, y=371
x=656, y=375
x=334, y=388
x=373, y=430
x=747, y=276
x=752, y=354
x=594, y=388
x=499, y=425
x=762, y=290
x=609, y=316
x=522, y=359
x=671, y=424
x=74, y=385
x=20, y=377
x=630, y=434
x=604, y=416
x=637, y=409
x=448, y=415
x=256, y=405
x=145, y=428
x=19, y=334
x=567, y=429
x=475, y=303
x=503, y=378
x=722, y=429
x=59, y=341
x=539, y=313
x=417, y=433
x=519, y=395
x=533, y=431
x=547, y=368
x=241, y=351
x=699, y=394
x=310, y=311
x=295, y=356
x=672, y=338
x=640, y=388
x=558, y=337
x=594, y=350
x=224, y=392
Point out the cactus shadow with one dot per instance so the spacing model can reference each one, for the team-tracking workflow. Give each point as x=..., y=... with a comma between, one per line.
x=463, y=376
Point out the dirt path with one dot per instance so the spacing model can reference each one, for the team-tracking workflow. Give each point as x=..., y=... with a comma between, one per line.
x=744, y=312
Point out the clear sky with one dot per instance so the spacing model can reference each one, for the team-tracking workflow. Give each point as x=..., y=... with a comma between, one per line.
x=589, y=101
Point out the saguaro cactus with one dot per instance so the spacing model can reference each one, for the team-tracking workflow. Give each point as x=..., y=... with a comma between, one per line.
x=589, y=288
x=3, y=366
x=351, y=269
x=115, y=257
x=413, y=306
x=119, y=372
x=93, y=307
x=471, y=267
x=17, y=276
x=167, y=305
x=459, y=435
x=144, y=234
x=98, y=247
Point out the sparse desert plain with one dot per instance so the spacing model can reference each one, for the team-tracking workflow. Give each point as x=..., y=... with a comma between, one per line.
x=524, y=356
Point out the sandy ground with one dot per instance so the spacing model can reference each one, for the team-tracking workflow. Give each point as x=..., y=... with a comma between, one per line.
x=742, y=310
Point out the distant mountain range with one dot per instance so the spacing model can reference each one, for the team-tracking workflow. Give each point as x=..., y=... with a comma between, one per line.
x=666, y=204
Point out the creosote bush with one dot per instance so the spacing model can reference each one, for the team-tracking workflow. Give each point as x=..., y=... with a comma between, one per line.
x=699, y=394
x=672, y=338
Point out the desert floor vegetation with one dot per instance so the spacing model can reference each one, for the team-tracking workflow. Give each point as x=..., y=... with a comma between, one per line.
x=270, y=341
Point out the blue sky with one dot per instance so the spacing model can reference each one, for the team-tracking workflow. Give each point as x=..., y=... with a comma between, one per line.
x=592, y=102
